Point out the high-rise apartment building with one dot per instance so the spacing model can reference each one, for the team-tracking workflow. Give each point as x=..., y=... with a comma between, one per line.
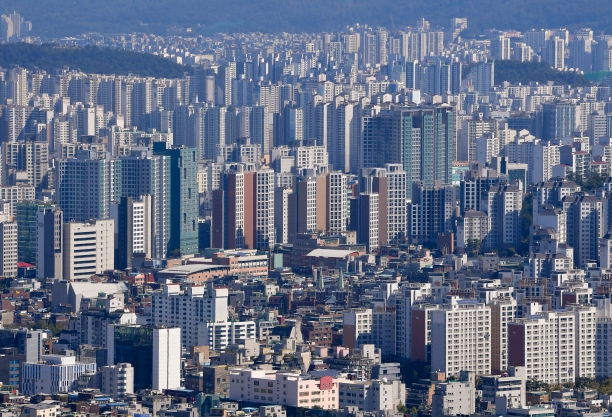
x=545, y=344
x=431, y=211
x=8, y=247
x=554, y=52
x=503, y=311
x=461, y=337
x=559, y=120
x=500, y=48
x=166, y=365
x=173, y=307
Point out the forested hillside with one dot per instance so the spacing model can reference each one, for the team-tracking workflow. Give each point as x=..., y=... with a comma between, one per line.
x=526, y=72
x=90, y=59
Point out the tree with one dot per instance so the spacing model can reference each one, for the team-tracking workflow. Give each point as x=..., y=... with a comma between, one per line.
x=414, y=411
x=473, y=247
x=587, y=383
x=55, y=329
x=402, y=409
x=535, y=385
x=591, y=181
x=412, y=371
x=526, y=222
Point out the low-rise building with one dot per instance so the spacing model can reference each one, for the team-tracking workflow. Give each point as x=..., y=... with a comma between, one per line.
x=378, y=395
x=284, y=388
x=53, y=374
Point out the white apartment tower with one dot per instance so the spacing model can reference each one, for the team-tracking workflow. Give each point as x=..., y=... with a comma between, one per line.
x=548, y=344
x=461, y=338
x=357, y=325
x=264, y=209
x=174, y=307
x=503, y=311
x=166, y=358
x=336, y=194
x=8, y=248
x=500, y=48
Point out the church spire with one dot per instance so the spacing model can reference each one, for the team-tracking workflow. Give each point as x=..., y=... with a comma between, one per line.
x=341, y=280
x=320, y=283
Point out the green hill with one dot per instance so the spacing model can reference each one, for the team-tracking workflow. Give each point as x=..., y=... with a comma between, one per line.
x=90, y=59
x=526, y=72
x=61, y=18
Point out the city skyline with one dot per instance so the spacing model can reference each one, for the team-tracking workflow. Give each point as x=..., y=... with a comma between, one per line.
x=370, y=222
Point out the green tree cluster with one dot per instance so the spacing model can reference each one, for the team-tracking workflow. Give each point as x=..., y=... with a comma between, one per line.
x=541, y=72
x=55, y=329
x=589, y=182
x=89, y=59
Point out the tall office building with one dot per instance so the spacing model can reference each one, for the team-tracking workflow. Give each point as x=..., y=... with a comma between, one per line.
x=25, y=216
x=421, y=139
x=364, y=219
x=86, y=186
x=89, y=248
x=456, y=76
x=183, y=198
x=49, y=245
x=166, y=358
x=130, y=343
x=145, y=174
x=134, y=221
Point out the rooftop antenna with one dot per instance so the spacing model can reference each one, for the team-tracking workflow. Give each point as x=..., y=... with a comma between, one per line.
x=392, y=24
